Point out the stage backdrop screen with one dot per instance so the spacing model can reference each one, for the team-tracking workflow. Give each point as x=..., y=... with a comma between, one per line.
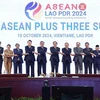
x=49, y=20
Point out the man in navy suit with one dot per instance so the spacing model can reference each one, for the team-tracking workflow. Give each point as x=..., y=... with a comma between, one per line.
x=1, y=59
x=96, y=60
x=17, y=59
x=29, y=57
x=66, y=59
x=88, y=60
x=41, y=59
x=54, y=57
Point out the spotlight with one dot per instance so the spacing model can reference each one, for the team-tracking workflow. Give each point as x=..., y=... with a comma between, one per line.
x=46, y=83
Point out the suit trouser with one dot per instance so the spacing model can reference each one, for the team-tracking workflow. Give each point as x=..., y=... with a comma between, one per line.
x=19, y=66
x=66, y=65
x=78, y=66
x=43, y=65
x=28, y=65
x=86, y=66
x=1, y=67
x=8, y=65
x=54, y=65
x=96, y=67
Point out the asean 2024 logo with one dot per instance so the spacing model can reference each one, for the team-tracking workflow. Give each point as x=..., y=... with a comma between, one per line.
x=33, y=10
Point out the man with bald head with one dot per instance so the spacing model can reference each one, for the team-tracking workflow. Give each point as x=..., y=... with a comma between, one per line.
x=78, y=58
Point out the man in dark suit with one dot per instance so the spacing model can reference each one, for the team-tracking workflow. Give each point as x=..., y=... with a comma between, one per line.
x=1, y=59
x=88, y=60
x=17, y=59
x=96, y=60
x=66, y=59
x=54, y=57
x=41, y=59
x=78, y=58
x=29, y=57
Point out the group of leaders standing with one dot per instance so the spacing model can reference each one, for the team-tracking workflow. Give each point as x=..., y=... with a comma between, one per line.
x=90, y=56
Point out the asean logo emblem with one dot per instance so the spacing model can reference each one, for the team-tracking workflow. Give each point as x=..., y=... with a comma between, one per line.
x=33, y=10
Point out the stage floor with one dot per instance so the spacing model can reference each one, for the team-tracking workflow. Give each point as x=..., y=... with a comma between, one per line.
x=31, y=87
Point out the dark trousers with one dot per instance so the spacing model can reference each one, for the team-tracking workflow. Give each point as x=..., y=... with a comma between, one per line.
x=96, y=67
x=0, y=67
x=78, y=66
x=19, y=66
x=43, y=65
x=86, y=66
x=28, y=65
x=66, y=65
x=54, y=65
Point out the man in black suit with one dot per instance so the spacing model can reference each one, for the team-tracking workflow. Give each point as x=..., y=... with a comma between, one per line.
x=96, y=60
x=1, y=59
x=66, y=59
x=29, y=57
x=54, y=57
x=17, y=59
x=88, y=60
x=41, y=59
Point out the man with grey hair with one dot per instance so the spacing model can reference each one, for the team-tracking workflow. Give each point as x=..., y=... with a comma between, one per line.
x=78, y=58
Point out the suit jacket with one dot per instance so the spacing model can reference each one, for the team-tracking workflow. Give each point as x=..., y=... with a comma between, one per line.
x=55, y=54
x=1, y=52
x=42, y=55
x=67, y=56
x=78, y=55
x=88, y=56
x=30, y=56
x=96, y=60
x=19, y=57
